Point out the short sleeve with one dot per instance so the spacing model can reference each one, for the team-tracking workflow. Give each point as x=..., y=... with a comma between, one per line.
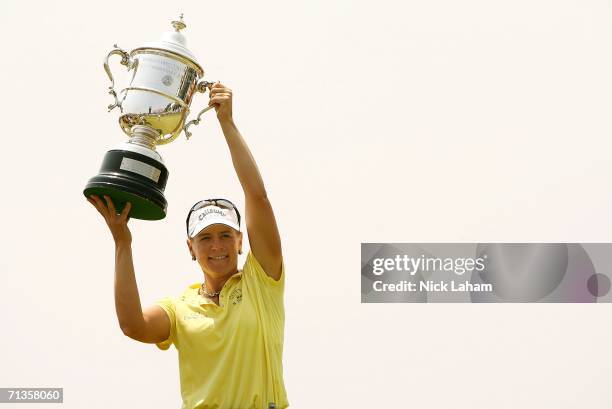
x=167, y=304
x=252, y=266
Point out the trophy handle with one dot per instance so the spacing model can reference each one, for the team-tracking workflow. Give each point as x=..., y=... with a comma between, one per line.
x=201, y=87
x=125, y=60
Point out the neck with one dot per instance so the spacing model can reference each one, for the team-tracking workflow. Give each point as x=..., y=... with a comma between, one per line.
x=214, y=284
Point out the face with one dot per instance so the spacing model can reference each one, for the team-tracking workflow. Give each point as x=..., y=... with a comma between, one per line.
x=216, y=249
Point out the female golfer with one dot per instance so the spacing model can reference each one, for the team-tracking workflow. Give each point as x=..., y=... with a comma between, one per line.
x=229, y=329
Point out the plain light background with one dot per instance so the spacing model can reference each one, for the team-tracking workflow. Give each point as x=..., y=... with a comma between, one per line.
x=386, y=121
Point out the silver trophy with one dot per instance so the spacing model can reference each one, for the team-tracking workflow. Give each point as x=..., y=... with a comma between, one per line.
x=154, y=109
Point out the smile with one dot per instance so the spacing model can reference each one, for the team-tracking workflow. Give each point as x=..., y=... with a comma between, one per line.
x=218, y=257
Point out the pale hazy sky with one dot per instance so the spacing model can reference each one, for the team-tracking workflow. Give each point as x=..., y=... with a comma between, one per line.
x=387, y=121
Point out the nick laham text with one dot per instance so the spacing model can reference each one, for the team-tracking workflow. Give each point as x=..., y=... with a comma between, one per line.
x=433, y=286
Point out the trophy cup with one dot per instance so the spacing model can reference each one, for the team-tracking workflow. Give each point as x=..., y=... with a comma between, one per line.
x=154, y=108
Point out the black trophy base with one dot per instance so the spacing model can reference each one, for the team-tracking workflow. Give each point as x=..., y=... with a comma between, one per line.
x=127, y=176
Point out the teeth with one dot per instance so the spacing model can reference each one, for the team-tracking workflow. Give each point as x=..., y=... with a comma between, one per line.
x=218, y=258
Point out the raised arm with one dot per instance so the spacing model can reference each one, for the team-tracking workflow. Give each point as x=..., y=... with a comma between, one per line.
x=261, y=225
x=151, y=325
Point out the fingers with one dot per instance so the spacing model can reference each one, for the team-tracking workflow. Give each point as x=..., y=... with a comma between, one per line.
x=100, y=207
x=125, y=212
x=217, y=85
x=110, y=204
x=219, y=99
x=221, y=95
x=93, y=203
x=219, y=88
x=107, y=210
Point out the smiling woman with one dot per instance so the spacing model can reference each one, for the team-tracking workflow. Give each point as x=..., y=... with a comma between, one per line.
x=228, y=329
x=215, y=240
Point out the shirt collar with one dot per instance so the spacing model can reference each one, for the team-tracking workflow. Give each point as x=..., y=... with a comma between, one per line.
x=192, y=291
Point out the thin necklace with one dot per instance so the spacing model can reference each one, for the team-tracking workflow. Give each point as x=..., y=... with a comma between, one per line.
x=202, y=290
x=209, y=295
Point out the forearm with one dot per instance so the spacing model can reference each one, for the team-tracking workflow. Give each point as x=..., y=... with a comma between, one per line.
x=127, y=300
x=244, y=163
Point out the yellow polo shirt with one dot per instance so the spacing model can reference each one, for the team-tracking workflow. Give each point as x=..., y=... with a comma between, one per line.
x=230, y=355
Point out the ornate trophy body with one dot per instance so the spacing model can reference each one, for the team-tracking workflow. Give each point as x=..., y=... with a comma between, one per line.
x=154, y=108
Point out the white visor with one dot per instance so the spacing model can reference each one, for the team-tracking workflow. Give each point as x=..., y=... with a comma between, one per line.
x=209, y=215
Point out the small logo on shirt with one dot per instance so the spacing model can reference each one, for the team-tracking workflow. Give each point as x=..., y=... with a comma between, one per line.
x=236, y=296
x=193, y=316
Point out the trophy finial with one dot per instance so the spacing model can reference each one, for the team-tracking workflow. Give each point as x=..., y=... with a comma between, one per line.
x=180, y=24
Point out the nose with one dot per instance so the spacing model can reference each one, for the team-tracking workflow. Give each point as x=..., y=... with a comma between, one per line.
x=216, y=244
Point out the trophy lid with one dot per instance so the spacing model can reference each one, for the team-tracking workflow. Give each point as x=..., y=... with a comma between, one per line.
x=173, y=41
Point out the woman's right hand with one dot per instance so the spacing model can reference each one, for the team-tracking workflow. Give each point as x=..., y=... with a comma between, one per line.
x=117, y=223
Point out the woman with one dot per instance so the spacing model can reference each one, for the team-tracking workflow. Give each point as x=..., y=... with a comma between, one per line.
x=229, y=329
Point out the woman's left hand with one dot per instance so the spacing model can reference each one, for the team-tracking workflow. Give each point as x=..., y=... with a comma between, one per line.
x=221, y=98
